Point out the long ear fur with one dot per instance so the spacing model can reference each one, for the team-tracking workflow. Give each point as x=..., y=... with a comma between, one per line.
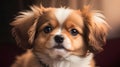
x=24, y=26
x=96, y=29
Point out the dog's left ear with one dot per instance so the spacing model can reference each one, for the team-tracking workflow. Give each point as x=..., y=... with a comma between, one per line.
x=96, y=30
x=24, y=26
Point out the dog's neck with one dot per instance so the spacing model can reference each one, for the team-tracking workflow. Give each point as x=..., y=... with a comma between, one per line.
x=71, y=61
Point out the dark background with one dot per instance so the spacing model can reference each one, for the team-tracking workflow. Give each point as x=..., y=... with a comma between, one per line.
x=8, y=48
x=8, y=10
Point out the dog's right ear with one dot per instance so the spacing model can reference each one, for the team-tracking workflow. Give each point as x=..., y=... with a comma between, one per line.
x=25, y=21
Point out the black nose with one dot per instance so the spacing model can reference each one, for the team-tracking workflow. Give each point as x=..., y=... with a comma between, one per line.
x=59, y=39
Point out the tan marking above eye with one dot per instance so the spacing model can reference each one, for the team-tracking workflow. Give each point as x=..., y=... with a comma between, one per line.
x=71, y=25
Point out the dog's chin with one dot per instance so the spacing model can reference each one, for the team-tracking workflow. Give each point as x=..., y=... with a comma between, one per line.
x=58, y=52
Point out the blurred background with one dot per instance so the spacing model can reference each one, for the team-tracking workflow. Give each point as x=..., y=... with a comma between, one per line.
x=110, y=57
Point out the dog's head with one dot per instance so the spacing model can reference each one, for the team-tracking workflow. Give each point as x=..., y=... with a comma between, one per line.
x=60, y=32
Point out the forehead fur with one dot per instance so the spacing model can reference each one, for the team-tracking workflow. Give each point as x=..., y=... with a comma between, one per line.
x=61, y=14
x=62, y=17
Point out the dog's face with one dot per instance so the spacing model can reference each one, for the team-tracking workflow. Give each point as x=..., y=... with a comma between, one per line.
x=60, y=32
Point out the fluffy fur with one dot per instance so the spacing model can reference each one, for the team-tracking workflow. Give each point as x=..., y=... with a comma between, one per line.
x=59, y=37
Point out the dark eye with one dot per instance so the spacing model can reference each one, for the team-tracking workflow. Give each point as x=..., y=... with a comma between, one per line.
x=74, y=32
x=47, y=29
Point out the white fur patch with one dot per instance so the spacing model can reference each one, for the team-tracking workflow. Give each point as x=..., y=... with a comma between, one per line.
x=59, y=31
x=67, y=43
x=99, y=18
x=62, y=14
x=74, y=61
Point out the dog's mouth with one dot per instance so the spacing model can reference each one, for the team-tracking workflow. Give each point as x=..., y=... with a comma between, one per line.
x=59, y=46
x=59, y=50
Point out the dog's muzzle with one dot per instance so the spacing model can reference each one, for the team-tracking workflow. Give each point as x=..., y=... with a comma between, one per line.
x=59, y=39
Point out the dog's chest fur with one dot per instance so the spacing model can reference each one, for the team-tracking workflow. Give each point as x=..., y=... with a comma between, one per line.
x=30, y=60
x=74, y=61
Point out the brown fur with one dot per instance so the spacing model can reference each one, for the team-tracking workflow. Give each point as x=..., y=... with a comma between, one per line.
x=96, y=30
x=28, y=32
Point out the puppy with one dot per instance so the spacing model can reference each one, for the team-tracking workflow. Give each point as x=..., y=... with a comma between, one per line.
x=59, y=37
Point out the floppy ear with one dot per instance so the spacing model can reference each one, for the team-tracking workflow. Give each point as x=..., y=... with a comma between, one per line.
x=24, y=27
x=96, y=30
